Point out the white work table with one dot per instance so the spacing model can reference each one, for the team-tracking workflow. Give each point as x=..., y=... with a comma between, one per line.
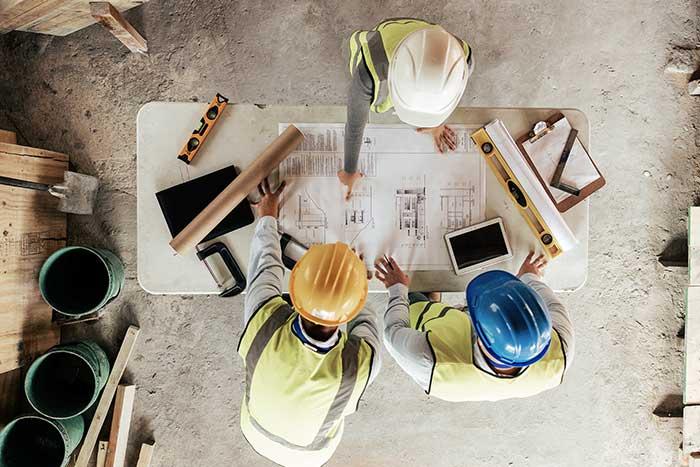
x=245, y=130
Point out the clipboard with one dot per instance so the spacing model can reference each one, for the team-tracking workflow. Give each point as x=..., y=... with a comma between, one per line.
x=542, y=149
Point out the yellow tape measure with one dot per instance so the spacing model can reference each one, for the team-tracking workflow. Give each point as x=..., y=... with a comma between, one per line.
x=508, y=181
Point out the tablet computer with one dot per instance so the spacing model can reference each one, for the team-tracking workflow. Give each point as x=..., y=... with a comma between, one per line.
x=478, y=246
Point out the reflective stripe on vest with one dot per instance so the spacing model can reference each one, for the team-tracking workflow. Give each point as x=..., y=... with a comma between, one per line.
x=377, y=48
x=272, y=318
x=455, y=377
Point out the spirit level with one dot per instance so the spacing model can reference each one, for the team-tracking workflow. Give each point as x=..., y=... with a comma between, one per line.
x=507, y=163
x=207, y=122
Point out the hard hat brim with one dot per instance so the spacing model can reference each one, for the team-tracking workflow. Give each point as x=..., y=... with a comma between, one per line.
x=422, y=119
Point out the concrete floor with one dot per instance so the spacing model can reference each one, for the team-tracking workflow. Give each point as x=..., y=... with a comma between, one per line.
x=80, y=95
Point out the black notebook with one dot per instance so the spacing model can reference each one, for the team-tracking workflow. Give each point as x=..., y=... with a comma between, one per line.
x=181, y=203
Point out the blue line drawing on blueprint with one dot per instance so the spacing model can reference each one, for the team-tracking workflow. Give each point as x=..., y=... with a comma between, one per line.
x=410, y=211
x=312, y=221
x=457, y=205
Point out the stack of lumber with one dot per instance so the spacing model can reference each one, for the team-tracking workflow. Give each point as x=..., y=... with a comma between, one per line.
x=55, y=17
x=30, y=230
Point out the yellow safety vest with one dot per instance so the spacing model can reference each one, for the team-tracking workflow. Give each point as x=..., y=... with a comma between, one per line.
x=295, y=398
x=377, y=47
x=456, y=378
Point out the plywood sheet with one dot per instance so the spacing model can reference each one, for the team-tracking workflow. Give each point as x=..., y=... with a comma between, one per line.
x=30, y=230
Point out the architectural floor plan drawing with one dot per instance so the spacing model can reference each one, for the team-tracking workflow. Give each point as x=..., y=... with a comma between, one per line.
x=409, y=197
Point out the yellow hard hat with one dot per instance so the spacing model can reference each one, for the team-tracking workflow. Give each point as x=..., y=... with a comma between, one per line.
x=329, y=284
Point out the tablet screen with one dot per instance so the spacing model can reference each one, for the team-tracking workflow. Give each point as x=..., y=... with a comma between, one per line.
x=479, y=245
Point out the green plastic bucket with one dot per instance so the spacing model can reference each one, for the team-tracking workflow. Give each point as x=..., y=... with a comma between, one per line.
x=79, y=280
x=32, y=440
x=66, y=380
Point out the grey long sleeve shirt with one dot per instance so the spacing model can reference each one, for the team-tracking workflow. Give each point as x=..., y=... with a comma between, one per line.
x=265, y=274
x=410, y=347
x=359, y=100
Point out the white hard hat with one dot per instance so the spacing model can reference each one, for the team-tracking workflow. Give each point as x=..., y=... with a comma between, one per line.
x=427, y=76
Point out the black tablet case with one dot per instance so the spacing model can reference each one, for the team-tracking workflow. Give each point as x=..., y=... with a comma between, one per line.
x=181, y=203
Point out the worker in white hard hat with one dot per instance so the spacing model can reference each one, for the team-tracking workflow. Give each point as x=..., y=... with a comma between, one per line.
x=409, y=65
x=514, y=340
x=304, y=374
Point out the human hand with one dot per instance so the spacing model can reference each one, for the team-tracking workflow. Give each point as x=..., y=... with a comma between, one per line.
x=349, y=179
x=443, y=136
x=531, y=266
x=389, y=272
x=269, y=204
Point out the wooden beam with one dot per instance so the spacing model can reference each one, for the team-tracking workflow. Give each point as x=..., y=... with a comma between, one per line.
x=694, y=245
x=121, y=422
x=691, y=429
x=691, y=383
x=110, y=389
x=109, y=17
x=102, y=447
x=146, y=455
x=8, y=137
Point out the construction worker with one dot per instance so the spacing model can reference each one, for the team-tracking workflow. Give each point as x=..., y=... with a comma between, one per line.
x=303, y=374
x=515, y=341
x=409, y=65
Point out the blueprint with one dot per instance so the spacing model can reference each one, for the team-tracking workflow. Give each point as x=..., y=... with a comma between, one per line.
x=409, y=198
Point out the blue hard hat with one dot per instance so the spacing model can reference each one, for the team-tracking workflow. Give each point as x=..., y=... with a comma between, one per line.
x=510, y=318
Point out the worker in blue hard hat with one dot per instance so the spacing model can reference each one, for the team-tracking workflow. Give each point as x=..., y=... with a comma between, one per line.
x=515, y=340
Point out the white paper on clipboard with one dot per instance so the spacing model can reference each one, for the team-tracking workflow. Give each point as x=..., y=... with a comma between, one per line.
x=546, y=151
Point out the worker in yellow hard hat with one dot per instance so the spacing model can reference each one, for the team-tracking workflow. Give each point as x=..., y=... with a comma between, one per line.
x=304, y=374
x=411, y=66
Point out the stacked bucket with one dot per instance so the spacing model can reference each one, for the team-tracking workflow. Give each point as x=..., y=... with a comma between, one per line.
x=65, y=382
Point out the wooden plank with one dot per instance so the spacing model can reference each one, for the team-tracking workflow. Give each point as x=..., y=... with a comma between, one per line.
x=110, y=18
x=127, y=348
x=694, y=245
x=146, y=455
x=30, y=230
x=691, y=429
x=11, y=390
x=37, y=9
x=121, y=422
x=691, y=385
x=102, y=447
x=73, y=16
x=9, y=137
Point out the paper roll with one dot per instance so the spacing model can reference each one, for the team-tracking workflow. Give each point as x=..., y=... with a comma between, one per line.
x=237, y=190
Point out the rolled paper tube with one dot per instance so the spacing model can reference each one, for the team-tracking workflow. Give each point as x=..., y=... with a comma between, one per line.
x=238, y=189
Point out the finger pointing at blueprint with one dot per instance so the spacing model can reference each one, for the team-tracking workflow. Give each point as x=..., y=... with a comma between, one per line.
x=409, y=197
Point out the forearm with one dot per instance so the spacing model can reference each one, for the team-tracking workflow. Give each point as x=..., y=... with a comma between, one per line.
x=265, y=268
x=561, y=320
x=359, y=100
x=366, y=327
x=406, y=345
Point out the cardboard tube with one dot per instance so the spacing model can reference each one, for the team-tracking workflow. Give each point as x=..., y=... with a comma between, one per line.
x=238, y=189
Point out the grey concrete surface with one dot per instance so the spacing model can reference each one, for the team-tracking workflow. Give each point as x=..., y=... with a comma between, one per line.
x=80, y=95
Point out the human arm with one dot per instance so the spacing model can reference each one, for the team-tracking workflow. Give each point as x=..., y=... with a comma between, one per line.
x=366, y=326
x=265, y=268
x=531, y=274
x=359, y=100
x=408, y=346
